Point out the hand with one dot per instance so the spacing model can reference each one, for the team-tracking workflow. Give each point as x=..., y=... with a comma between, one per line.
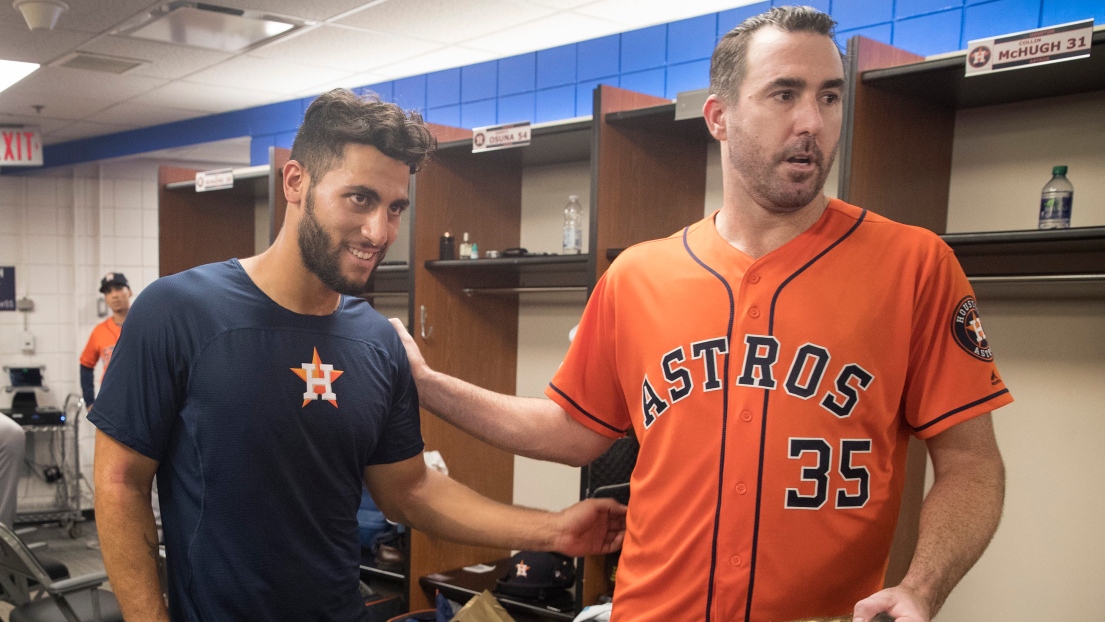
x=591, y=527
x=903, y=605
x=414, y=355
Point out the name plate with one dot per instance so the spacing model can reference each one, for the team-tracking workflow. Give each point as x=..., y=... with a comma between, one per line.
x=219, y=179
x=1031, y=47
x=500, y=136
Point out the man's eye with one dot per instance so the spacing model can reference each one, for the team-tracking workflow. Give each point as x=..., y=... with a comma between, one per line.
x=397, y=209
x=784, y=96
x=832, y=98
x=359, y=199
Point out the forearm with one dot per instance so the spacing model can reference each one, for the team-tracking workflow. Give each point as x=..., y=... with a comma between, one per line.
x=958, y=518
x=128, y=541
x=445, y=508
x=531, y=427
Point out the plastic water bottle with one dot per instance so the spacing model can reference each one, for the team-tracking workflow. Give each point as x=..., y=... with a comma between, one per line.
x=1055, y=200
x=573, y=226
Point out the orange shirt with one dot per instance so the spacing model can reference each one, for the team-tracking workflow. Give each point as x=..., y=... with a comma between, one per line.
x=773, y=400
x=101, y=343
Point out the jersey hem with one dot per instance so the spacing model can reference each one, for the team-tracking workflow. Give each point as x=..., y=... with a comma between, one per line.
x=104, y=425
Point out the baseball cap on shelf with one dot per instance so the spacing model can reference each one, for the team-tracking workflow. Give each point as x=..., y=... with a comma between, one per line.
x=112, y=279
x=538, y=575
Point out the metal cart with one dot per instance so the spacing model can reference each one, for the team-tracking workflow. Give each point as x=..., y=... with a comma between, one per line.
x=59, y=445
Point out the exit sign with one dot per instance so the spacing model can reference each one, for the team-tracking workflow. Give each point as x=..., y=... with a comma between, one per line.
x=22, y=146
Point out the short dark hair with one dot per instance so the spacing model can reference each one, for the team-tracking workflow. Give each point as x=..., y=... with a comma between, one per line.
x=727, y=66
x=339, y=117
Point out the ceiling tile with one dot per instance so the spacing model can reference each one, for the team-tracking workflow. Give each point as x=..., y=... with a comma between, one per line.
x=63, y=82
x=205, y=97
x=82, y=129
x=544, y=33
x=561, y=4
x=444, y=58
x=142, y=114
x=263, y=74
x=18, y=102
x=96, y=17
x=315, y=9
x=46, y=124
x=19, y=43
x=353, y=81
x=166, y=61
x=345, y=48
x=638, y=13
x=445, y=21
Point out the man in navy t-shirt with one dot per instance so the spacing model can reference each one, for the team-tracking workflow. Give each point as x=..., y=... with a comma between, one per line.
x=262, y=393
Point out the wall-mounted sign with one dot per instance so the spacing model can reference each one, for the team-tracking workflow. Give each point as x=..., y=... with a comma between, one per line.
x=1031, y=47
x=22, y=146
x=500, y=136
x=218, y=179
x=7, y=288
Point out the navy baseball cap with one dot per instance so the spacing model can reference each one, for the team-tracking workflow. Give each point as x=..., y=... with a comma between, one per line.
x=538, y=575
x=113, y=279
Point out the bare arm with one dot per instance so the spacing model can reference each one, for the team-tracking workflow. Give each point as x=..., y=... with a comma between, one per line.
x=958, y=518
x=527, y=426
x=124, y=521
x=410, y=493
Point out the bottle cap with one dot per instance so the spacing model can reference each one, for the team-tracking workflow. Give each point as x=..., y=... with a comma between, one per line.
x=573, y=197
x=465, y=236
x=447, y=235
x=1059, y=170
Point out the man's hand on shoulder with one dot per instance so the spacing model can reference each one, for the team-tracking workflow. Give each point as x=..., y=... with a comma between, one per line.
x=414, y=356
x=901, y=603
x=591, y=527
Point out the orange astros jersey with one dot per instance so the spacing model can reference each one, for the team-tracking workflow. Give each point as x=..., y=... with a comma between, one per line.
x=773, y=399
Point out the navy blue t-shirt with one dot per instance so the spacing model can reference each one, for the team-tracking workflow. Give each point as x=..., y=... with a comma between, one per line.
x=263, y=421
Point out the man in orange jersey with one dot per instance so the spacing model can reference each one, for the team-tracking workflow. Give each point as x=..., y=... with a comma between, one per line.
x=773, y=361
x=101, y=342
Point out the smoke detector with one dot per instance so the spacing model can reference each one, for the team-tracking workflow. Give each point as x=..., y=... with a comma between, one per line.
x=209, y=26
x=41, y=14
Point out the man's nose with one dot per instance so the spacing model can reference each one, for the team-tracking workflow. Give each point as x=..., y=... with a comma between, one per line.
x=375, y=227
x=808, y=118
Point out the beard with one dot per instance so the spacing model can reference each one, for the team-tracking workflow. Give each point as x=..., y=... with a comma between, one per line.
x=322, y=255
x=782, y=191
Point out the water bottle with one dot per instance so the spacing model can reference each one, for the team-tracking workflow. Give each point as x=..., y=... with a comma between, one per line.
x=1055, y=200
x=573, y=226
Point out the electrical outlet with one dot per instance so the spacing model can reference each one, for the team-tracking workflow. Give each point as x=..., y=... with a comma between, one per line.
x=28, y=341
x=24, y=304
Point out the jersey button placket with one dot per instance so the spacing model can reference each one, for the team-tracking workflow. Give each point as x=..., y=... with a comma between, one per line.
x=754, y=312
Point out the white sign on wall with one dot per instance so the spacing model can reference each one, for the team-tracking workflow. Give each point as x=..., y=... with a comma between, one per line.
x=21, y=146
x=1031, y=47
x=218, y=179
x=500, y=136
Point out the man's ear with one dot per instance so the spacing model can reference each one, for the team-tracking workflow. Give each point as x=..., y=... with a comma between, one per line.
x=714, y=111
x=296, y=181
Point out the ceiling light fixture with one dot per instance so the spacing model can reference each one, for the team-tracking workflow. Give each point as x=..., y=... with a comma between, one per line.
x=13, y=71
x=198, y=24
x=41, y=14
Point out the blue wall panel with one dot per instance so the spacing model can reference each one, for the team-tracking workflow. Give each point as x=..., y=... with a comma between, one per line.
x=728, y=20
x=597, y=58
x=516, y=108
x=479, y=81
x=692, y=39
x=1063, y=11
x=556, y=66
x=882, y=32
x=929, y=34
x=410, y=93
x=687, y=77
x=259, y=149
x=555, y=104
x=284, y=140
x=909, y=8
x=517, y=74
x=443, y=88
x=820, y=5
x=852, y=14
x=998, y=18
x=447, y=115
x=386, y=90
x=649, y=81
x=477, y=114
x=644, y=49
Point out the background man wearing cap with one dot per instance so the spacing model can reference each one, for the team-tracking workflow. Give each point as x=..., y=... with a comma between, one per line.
x=101, y=342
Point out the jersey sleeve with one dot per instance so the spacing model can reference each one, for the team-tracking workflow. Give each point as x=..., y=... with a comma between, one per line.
x=587, y=386
x=952, y=376
x=144, y=387
x=402, y=439
x=91, y=353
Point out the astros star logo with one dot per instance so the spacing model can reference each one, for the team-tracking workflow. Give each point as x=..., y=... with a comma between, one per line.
x=319, y=379
x=522, y=568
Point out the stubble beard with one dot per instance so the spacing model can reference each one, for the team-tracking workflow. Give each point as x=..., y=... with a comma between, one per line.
x=322, y=256
x=779, y=191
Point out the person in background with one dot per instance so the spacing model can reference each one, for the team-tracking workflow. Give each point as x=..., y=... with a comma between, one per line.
x=102, y=341
x=12, y=451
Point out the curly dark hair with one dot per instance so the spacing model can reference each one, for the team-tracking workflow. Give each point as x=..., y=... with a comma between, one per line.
x=339, y=117
x=727, y=66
